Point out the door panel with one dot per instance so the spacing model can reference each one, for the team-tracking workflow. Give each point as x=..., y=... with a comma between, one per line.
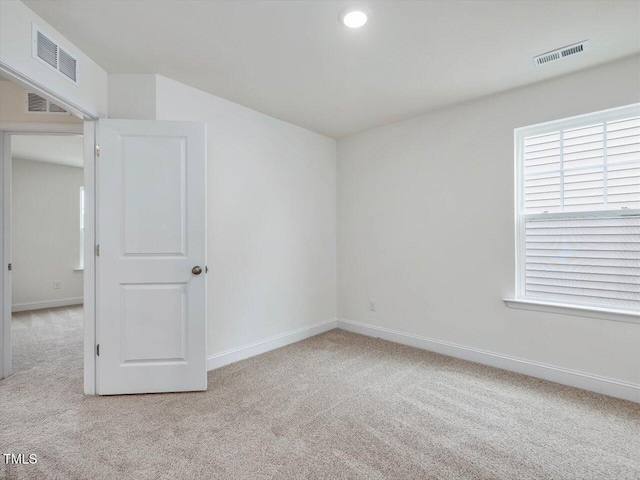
x=154, y=223
x=157, y=313
x=151, y=213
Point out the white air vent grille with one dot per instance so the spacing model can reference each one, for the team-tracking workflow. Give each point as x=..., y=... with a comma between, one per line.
x=560, y=53
x=53, y=108
x=573, y=50
x=68, y=65
x=38, y=104
x=49, y=53
x=47, y=50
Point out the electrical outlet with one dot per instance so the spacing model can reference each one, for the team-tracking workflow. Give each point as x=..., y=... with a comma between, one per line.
x=372, y=305
x=56, y=285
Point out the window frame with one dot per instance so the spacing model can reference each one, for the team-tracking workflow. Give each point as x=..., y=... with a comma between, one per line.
x=81, y=209
x=521, y=217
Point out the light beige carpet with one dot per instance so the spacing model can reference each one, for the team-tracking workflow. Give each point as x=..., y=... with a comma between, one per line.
x=335, y=406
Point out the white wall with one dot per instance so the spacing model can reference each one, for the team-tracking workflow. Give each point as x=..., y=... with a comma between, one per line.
x=13, y=107
x=426, y=227
x=132, y=96
x=46, y=242
x=271, y=219
x=16, y=20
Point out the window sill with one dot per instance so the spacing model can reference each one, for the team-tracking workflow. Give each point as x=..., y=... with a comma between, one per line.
x=577, y=310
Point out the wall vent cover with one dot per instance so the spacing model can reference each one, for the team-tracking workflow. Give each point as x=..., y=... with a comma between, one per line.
x=50, y=54
x=37, y=104
x=68, y=65
x=561, y=53
x=46, y=50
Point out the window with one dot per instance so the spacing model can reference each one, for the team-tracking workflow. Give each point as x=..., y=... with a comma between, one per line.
x=81, y=256
x=578, y=210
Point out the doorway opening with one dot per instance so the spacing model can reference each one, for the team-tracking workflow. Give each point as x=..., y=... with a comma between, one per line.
x=47, y=201
x=47, y=239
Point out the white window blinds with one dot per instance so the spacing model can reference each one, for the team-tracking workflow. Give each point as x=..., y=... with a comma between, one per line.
x=578, y=190
x=593, y=167
x=590, y=260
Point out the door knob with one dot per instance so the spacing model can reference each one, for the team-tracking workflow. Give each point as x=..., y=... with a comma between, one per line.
x=196, y=270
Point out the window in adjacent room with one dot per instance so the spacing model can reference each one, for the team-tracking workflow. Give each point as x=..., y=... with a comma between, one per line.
x=578, y=210
x=81, y=256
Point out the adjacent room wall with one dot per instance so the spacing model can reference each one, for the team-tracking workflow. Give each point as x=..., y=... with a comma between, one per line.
x=16, y=20
x=271, y=219
x=426, y=227
x=46, y=238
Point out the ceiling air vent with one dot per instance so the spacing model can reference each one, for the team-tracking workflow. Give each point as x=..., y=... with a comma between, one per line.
x=49, y=53
x=561, y=53
x=38, y=104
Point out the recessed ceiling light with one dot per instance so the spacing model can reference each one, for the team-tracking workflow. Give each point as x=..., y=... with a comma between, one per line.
x=354, y=16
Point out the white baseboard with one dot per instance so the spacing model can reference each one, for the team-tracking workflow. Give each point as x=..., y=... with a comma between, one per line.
x=236, y=354
x=63, y=302
x=573, y=378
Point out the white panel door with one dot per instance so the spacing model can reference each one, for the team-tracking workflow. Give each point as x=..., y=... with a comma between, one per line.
x=151, y=299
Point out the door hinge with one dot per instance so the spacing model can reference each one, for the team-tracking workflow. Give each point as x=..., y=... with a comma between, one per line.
x=206, y=269
x=98, y=350
x=97, y=150
x=98, y=250
x=10, y=267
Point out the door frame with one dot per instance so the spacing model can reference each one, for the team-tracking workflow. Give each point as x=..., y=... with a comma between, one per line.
x=89, y=132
